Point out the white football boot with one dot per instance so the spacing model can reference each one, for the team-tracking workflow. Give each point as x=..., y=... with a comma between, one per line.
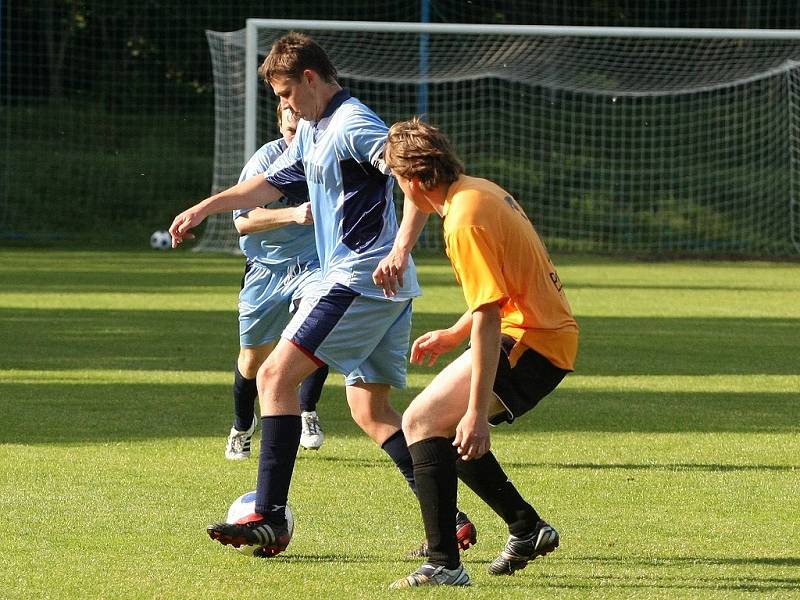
x=238, y=447
x=311, y=436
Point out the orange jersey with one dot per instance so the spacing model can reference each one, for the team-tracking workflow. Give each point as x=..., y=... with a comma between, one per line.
x=498, y=257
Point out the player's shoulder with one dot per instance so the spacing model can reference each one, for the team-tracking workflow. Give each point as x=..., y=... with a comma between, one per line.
x=353, y=113
x=262, y=159
x=474, y=195
x=351, y=105
x=271, y=150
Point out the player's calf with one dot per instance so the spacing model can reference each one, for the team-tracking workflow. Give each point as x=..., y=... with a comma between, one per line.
x=466, y=536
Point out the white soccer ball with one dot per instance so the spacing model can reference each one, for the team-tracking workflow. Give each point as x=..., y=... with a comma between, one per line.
x=160, y=240
x=245, y=505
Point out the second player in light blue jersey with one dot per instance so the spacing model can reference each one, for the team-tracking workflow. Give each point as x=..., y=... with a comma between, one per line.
x=346, y=321
x=278, y=243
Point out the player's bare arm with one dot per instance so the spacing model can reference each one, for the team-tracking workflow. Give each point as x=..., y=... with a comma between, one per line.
x=264, y=219
x=250, y=193
x=472, y=432
x=429, y=346
x=389, y=272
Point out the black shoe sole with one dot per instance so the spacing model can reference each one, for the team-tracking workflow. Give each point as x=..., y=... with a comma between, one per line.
x=231, y=535
x=224, y=534
x=508, y=566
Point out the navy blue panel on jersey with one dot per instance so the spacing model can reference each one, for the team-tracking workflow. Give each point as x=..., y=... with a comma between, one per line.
x=364, y=189
x=291, y=181
x=324, y=316
x=335, y=102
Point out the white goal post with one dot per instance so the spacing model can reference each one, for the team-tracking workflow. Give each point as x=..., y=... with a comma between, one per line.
x=622, y=140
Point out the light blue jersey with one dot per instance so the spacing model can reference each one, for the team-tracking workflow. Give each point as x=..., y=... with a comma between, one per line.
x=337, y=161
x=285, y=246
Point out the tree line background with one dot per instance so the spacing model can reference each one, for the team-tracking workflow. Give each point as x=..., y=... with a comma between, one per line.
x=106, y=106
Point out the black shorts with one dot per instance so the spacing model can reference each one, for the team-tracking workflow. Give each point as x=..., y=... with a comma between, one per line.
x=247, y=266
x=520, y=388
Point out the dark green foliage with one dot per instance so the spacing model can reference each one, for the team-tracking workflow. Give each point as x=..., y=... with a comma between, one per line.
x=106, y=121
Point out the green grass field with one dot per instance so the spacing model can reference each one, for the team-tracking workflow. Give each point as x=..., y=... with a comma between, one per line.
x=669, y=462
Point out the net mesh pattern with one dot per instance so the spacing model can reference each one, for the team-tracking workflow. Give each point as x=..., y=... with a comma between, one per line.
x=615, y=145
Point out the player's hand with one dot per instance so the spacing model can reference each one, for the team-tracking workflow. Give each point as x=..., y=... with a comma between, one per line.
x=389, y=272
x=472, y=436
x=427, y=347
x=183, y=223
x=302, y=214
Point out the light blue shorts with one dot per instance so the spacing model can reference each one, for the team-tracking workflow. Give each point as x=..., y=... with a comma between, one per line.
x=268, y=298
x=365, y=338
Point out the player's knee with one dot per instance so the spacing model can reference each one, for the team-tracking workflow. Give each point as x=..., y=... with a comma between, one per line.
x=413, y=421
x=362, y=414
x=366, y=414
x=408, y=423
x=267, y=378
x=422, y=420
x=274, y=379
x=248, y=364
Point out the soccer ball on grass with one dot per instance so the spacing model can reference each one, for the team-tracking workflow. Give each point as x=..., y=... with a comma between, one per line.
x=245, y=505
x=160, y=240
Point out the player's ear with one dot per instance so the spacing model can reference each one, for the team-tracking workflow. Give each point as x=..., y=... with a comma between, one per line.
x=309, y=75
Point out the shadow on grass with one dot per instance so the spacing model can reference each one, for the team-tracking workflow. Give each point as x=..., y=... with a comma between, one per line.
x=782, y=561
x=53, y=339
x=642, y=578
x=689, y=583
x=94, y=280
x=681, y=288
x=662, y=412
x=446, y=279
x=68, y=413
x=711, y=468
x=371, y=559
x=671, y=467
x=647, y=579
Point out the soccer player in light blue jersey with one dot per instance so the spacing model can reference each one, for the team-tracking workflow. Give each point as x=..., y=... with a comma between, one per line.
x=282, y=262
x=347, y=321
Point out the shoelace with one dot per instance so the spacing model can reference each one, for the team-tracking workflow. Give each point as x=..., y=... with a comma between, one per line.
x=238, y=441
x=312, y=423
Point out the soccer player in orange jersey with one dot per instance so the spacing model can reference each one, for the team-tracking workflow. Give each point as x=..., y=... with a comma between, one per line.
x=523, y=341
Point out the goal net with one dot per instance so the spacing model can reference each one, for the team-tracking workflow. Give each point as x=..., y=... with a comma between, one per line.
x=631, y=141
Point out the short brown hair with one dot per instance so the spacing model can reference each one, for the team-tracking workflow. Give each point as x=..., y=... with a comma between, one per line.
x=416, y=149
x=294, y=53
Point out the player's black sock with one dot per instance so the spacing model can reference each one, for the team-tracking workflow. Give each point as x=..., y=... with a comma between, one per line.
x=245, y=393
x=487, y=479
x=280, y=438
x=397, y=449
x=437, y=483
x=311, y=389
